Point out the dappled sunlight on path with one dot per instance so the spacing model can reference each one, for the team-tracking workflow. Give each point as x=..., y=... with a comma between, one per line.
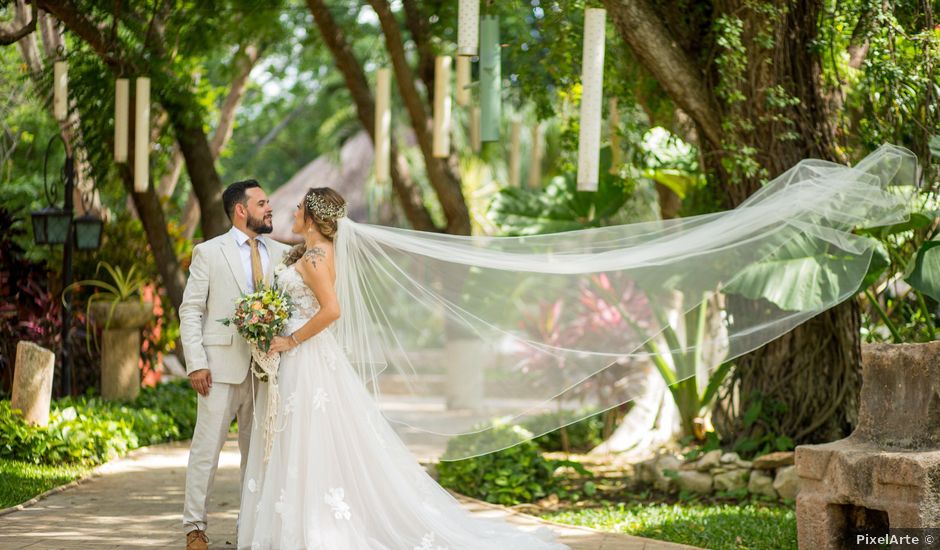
x=137, y=501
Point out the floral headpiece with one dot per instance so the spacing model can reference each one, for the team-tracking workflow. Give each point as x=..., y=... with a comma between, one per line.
x=323, y=209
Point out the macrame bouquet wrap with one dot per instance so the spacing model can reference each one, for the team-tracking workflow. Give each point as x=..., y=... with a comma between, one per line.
x=259, y=317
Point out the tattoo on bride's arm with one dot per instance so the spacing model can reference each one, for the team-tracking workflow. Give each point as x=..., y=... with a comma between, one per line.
x=314, y=255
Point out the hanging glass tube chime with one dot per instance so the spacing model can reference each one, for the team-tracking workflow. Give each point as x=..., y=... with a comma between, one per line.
x=441, y=125
x=592, y=83
x=490, y=78
x=383, y=124
x=122, y=93
x=60, y=90
x=468, y=27
x=142, y=136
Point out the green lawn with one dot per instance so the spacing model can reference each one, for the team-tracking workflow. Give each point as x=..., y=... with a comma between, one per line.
x=722, y=526
x=21, y=481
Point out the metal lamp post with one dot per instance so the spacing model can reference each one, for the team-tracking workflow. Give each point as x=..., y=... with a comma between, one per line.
x=53, y=225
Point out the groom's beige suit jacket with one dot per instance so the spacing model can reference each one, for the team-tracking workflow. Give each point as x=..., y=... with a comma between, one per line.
x=217, y=279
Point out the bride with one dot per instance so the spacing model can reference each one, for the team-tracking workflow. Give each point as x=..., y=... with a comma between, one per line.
x=336, y=476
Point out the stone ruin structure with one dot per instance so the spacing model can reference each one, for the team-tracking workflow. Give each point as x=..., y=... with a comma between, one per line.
x=886, y=475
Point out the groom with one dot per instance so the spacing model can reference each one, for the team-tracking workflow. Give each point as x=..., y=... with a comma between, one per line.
x=217, y=359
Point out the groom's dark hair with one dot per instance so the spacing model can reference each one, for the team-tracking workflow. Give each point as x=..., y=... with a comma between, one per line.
x=235, y=194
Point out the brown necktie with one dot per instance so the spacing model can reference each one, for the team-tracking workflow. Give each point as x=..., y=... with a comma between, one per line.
x=257, y=274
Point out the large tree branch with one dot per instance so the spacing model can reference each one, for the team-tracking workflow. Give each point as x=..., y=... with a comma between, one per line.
x=408, y=193
x=858, y=43
x=417, y=26
x=9, y=34
x=442, y=173
x=147, y=204
x=75, y=20
x=245, y=60
x=661, y=55
x=28, y=47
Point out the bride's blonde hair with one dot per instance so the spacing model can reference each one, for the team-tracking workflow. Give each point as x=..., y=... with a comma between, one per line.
x=324, y=207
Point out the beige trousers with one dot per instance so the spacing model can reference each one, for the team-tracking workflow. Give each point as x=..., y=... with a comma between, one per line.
x=214, y=415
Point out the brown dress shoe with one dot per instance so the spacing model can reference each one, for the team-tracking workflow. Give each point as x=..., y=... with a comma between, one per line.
x=197, y=540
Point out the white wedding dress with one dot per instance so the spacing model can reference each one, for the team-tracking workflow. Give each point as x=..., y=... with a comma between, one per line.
x=338, y=477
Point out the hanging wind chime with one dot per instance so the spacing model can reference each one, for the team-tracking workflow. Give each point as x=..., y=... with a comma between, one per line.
x=614, y=129
x=142, y=136
x=141, y=128
x=468, y=27
x=592, y=83
x=475, y=142
x=383, y=125
x=121, y=105
x=535, y=162
x=60, y=90
x=441, y=125
x=463, y=81
x=515, y=133
x=490, y=79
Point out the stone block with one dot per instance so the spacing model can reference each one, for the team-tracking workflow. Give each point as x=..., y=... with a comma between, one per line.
x=32, y=382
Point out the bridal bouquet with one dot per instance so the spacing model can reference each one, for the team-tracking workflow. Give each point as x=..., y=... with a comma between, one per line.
x=259, y=317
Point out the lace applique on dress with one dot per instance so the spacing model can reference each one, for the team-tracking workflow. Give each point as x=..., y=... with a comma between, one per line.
x=320, y=399
x=305, y=302
x=427, y=543
x=334, y=497
x=291, y=404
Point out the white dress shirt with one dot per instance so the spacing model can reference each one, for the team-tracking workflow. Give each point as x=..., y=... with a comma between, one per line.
x=245, y=250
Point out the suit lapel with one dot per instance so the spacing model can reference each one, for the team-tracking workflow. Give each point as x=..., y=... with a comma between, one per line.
x=234, y=260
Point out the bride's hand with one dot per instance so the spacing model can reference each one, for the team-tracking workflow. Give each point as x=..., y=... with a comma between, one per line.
x=280, y=344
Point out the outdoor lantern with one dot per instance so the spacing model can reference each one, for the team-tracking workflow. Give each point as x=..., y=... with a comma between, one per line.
x=51, y=225
x=88, y=229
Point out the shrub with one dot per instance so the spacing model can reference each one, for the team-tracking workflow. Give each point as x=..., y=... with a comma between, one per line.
x=516, y=474
x=176, y=399
x=90, y=431
x=583, y=435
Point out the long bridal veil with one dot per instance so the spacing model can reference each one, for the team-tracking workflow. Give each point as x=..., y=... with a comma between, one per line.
x=464, y=330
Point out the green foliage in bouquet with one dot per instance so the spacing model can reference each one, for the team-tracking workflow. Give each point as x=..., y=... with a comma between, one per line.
x=260, y=316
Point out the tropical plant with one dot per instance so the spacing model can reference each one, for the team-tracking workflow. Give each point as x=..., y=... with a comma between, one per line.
x=682, y=365
x=121, y=288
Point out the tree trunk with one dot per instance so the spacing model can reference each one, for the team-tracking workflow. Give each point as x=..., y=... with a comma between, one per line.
x=443, y=174
x=409, y=195
x=245, y=60
x=779, y=117
x=179, y=104
x=150, y=212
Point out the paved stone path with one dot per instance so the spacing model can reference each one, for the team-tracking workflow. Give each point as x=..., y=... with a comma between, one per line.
x=136, y=502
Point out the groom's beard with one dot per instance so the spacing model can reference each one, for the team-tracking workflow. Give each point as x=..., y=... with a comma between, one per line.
x=260, y=225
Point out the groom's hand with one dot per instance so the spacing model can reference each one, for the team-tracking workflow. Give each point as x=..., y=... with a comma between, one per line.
x=201, y=381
